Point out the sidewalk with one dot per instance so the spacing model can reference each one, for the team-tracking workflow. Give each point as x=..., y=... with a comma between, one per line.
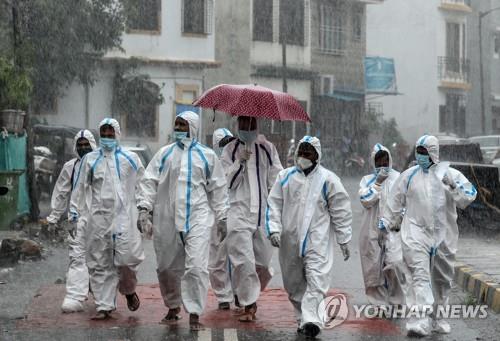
x=478, y=269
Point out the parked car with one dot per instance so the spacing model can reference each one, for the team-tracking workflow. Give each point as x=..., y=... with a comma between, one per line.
x=490, y=146
x=449, y=138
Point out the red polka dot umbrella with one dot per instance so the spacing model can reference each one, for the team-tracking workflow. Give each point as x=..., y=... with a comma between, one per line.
x=254, y=101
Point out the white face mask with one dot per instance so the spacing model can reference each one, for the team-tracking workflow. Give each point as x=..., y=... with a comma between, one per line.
x=303, y=163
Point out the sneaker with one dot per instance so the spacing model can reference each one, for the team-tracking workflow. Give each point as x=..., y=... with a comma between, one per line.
x=441, y=326
x=418, y=327
x=224, y=306
x=71, y=305
x=310, y=330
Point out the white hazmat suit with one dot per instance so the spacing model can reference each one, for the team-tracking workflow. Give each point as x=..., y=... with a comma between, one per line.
x=77, y=278
x=309, y=212
x=383, y=269
x=105, y=196
x=182, y=184
x=249, y=183
x=429, y=232
x=219, y=265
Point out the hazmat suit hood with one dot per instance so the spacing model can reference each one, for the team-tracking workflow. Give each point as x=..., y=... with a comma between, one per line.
x=114, y=123
x=193, y=119
x=431, y=143
x=86, y=134
x=219, y=134
x=376, y=148
x=314, y=141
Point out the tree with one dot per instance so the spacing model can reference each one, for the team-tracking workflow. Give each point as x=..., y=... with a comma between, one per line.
x=60, y=42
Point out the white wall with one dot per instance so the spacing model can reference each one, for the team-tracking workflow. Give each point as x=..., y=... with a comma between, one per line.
x=272, y=53
x=413, y=33
x=301, y=90
x=71, y=106
x=170, y=44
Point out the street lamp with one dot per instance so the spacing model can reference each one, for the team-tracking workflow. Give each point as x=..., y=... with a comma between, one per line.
x=481, y=71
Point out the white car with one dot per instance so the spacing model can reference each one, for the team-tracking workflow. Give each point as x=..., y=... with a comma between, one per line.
x=490, y=146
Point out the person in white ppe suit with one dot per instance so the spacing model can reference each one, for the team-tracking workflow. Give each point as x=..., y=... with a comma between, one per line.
x=308, y=208
x=430, y=192
x=380, y=251
x=185, y=187
x=105, y=196
x=77, y=278
x=252, y=165
x=219, y=266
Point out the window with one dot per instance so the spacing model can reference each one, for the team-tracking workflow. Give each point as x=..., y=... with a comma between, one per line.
x=292, y=21
x=496, y=44
x=357, y=23
x=495, y=124
x=331, y=32
x=144, y=15
x=197, y=16
x=452, y=115
x=137, y=100
x=143, y=123
x=263, y=20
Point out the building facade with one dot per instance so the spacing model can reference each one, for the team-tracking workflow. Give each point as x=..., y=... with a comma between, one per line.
x=166, y=48
x=322, y=67
x=428, y=41
x=487, y=100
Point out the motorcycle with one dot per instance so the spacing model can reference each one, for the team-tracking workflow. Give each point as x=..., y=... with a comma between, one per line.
x=45, y=170
x=354, y=165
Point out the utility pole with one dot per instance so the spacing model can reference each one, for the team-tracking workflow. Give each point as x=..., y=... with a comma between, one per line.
x=285, y=71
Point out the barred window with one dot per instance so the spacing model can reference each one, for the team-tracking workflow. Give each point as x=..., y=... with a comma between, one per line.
x=263, y=20
x=292, y=21
x=331, y=30
x=144, y=15
x=197, y=16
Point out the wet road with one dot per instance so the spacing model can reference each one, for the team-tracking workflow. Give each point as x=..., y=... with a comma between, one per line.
x=23, y=282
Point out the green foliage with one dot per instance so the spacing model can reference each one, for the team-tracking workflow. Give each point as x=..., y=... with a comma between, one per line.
x=390, y=133
x=63, y=41
x=15, y=86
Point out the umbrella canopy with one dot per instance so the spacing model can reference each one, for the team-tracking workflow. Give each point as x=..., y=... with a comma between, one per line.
x=254, y=101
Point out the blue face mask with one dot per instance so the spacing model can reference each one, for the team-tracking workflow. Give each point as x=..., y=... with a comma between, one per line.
x=378, y=169
x=180, y=135
x=423, y=161
x=247, y=136
x=107, y=144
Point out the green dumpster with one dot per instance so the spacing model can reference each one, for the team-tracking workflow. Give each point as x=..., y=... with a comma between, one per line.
x=9, y=193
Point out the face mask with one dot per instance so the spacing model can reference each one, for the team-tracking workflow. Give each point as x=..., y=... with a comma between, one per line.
x=423, y=161
x=247, y=136
x=180, y=135
x=81, y=151
x=107, y=143
x=304, y=163
x=385, y=169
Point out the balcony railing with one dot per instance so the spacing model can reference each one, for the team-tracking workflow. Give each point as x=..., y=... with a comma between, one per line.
x=453, y=70
x=455, y=2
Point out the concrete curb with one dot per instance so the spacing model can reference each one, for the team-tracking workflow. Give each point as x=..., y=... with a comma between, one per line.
x=479, y=285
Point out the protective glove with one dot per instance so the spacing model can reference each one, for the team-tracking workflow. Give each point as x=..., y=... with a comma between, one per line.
x=222, y=229
x=245, y=155
x=71, y=226
x=381, y=176
x=446, y=180
x=381, y=238
x=144, y=224
x=51, y=230
x=275, y=239
x=345, y=251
